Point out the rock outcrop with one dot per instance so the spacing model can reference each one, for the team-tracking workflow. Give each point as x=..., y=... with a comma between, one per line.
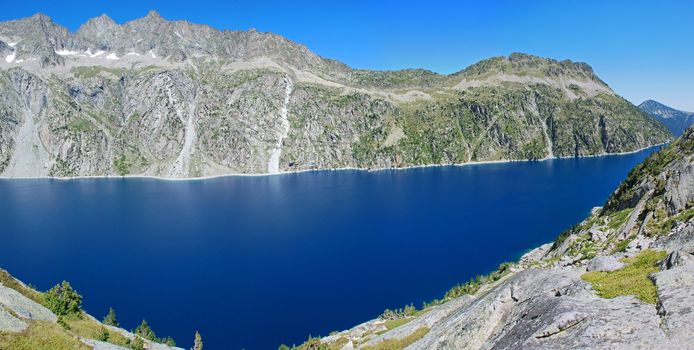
x=175, y=99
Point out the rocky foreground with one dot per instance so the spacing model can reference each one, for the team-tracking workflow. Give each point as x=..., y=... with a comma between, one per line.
x=26, y=323
x=176, y=100
x=621, y=279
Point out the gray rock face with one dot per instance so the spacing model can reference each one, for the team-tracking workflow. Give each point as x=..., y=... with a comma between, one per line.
x=680, y=188
x=604, y=263
x=16, y=310
x=174, y=99
x=469, y=327
x=24, y=307
x=10, y=323
x=676, y=303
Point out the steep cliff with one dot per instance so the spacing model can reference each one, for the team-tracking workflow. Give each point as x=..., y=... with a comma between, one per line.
x=175, y=99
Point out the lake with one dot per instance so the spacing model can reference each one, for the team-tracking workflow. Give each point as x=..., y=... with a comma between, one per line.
x=253, y=262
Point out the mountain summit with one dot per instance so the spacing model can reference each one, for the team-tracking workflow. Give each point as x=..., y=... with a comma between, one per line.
x=176, y=99
x=675, y=120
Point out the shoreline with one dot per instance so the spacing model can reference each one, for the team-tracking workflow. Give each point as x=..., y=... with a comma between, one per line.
x=409, y=167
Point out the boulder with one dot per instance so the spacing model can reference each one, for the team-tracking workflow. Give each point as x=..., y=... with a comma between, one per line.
x=604, y=263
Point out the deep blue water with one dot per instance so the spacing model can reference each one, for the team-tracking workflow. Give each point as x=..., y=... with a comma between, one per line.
x=253, y=262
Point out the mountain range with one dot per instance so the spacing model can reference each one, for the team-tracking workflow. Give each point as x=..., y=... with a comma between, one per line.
x=172, y=99
x=675, y=120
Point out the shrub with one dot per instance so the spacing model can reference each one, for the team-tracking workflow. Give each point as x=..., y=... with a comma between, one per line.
x=407, y=311
x=63, y=300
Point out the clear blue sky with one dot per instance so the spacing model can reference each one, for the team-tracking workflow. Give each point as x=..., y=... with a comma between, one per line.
x=643, y=49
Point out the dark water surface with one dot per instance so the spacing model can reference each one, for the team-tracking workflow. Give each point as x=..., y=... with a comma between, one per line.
x=253, y=262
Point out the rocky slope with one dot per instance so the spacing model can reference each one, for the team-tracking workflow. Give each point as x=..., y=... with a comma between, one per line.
x=621, y=279
x=675, y=120
x=175, y=99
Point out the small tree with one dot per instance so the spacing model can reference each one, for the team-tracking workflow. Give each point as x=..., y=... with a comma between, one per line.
x=145, y=331
x=197, y=345
x=63, y=300
x=110, y=319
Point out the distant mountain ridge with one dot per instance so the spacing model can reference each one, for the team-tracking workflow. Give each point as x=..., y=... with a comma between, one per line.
x=174, y=99
x=676, y=121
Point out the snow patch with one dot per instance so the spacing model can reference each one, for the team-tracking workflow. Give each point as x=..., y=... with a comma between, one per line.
x=64, y=52
x=12, y=44
x=152, y=54
x=112, y=56
x=132, y=54
x=273, y=165
x=10, y=57
x=89, y=53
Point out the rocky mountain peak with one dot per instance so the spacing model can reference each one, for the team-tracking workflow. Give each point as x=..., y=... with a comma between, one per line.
x=526, y=64
x=675, y=120
x=100, y=21
x=153, y=15
x=655, y=107
x=40, y=18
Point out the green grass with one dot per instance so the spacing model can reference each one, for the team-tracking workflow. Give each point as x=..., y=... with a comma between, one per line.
x=397, y=344
x=622, y=245
x=80, y=125
x=629, y=280
x=391, y=324
x=339, y=344
x=618, y=219
x=41, y=335
x=88, y=328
